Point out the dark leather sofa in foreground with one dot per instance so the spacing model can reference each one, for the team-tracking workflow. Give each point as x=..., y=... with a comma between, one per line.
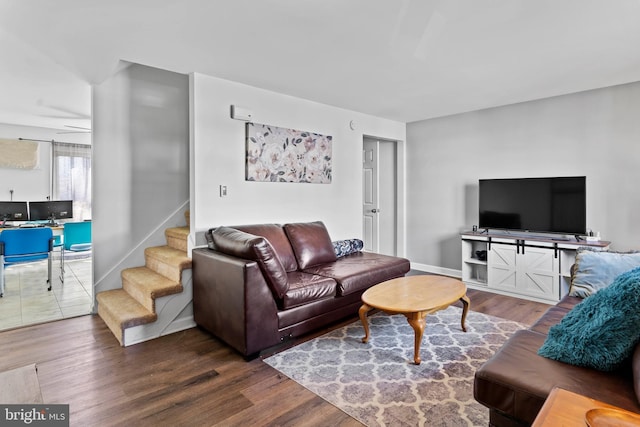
x=256, y=286
x=516, y=381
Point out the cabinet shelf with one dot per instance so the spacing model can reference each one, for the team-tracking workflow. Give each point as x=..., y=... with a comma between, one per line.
x=475, y=261
x=477, y=282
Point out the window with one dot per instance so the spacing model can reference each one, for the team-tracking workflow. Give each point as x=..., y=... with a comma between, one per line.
x=72, y=177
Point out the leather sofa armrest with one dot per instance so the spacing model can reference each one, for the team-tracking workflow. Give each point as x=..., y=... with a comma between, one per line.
x=232, y=300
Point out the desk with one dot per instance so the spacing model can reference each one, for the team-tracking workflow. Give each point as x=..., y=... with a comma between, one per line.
x=567, y=409
x=57, y=229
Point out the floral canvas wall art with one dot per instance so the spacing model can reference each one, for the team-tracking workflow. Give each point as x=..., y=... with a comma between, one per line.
x=277, y=154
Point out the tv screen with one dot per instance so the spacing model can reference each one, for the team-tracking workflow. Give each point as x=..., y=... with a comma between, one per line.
x=547, y=205
x=13, y=211
x=51, y=210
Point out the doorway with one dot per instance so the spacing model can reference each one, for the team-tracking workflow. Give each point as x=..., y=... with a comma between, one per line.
x=382, y=196
x=28, y=297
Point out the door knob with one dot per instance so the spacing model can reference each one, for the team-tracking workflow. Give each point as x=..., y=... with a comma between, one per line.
x=375, y=210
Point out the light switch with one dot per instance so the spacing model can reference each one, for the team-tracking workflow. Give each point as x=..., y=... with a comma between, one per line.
x=223, y=190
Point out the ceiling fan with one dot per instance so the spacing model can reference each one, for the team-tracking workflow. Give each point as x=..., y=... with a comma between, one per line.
x=80, y=130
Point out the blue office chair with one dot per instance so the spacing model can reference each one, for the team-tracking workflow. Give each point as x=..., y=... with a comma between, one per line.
x=76, y=237
x=25, y=245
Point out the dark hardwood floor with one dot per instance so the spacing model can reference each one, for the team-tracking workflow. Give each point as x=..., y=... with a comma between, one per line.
x=185, y=379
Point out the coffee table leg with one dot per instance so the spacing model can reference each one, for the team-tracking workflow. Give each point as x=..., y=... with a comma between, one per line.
x=417, y=322
x=362, y=312
x=465, y=307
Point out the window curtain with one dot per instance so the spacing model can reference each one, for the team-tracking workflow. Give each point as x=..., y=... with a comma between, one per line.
x=72, y=177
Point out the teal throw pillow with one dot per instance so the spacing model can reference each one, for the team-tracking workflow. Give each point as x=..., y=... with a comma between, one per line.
x=595, y=270
x=602, y=330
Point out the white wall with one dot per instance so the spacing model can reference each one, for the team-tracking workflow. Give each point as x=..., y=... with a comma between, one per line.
x=594, y=133
x=218, y=158
x=387, y=197
x=140, y=169
x=32, y=184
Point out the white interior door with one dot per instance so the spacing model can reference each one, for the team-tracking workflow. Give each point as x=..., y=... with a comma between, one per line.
x=370, y=209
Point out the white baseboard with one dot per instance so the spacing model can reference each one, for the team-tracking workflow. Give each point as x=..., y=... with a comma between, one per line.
x=436, y=270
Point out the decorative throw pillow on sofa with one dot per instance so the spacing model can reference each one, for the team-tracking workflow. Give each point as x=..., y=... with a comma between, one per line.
x=347, y=247
x=602, y=331
x=596, y=270
x=311, y=243
x=256, y=248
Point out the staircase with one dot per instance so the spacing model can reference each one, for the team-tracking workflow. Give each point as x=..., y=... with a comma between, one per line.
x=155, y=299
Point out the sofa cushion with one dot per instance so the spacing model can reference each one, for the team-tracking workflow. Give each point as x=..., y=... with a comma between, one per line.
x=595, y=270
x=361, y=270
x=516, y=381
x=602, y=331
x=256, y=248
x=311, y=243
x=550, y=318
x=347, y=247
x=304, y=288
x=275, y=234
x=555, y=314
x=568, y=302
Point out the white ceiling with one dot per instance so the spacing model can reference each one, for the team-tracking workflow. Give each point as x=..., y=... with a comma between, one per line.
x=405, y=60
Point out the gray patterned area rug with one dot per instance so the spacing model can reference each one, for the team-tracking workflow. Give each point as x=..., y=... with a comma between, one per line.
x=378, y=384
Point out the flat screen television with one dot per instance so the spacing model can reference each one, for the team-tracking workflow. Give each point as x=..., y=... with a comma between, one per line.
x=51, y=210
x=13, y=211
x=544, y=205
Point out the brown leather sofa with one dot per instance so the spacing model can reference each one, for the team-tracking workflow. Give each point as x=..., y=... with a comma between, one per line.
x=256, y=286
x=515, y=382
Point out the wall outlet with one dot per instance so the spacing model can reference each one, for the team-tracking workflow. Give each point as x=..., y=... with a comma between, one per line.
x=223, y=190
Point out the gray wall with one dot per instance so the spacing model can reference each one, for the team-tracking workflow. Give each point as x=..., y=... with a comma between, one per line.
x=141, y=159
x=594, y=133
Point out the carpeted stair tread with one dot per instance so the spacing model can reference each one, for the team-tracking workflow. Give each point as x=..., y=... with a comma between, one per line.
x=145, y=285
x=178, y=232
x=177, y=237
x=119, y=311
x=167, y=261
x=126, y=308
x=169, y=255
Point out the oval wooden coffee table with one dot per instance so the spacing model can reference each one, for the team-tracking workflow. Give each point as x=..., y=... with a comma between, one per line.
x=415, y=297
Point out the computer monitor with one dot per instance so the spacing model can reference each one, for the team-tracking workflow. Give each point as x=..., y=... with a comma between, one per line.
x=51, y=210
x=13, y=211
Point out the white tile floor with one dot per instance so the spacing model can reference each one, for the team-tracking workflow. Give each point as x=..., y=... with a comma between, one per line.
x=26, y=300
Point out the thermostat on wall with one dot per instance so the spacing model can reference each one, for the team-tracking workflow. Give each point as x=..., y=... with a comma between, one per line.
x=240, y=113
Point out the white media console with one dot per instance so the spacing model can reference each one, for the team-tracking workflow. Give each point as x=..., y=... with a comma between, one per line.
x=530, y=267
